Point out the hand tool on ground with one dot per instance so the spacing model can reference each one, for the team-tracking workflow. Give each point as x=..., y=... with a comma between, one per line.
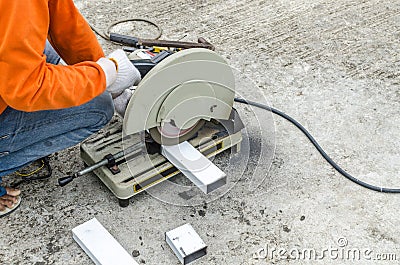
x=139, y=43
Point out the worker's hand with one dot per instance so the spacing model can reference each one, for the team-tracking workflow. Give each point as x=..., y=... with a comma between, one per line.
x=119, y=71
x=127, y=74
x=109, y=69
x=121, y=102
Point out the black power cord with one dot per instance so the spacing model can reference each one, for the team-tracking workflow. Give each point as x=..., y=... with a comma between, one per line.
x=319, y=148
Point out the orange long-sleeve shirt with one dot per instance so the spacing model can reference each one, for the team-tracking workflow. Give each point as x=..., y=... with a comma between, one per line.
x=27, y=82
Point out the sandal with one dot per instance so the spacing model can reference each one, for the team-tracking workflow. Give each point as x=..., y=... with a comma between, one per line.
x=35, y=174
x=15, y=206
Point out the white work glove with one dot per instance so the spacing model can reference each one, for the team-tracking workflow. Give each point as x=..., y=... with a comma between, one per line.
x=109, y=69
x=126, y=74
x=121, y=102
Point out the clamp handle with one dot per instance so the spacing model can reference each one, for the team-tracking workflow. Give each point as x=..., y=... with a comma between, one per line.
x=65, y=180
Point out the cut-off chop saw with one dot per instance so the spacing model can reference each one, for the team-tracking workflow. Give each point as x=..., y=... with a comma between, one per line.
x=184, y=97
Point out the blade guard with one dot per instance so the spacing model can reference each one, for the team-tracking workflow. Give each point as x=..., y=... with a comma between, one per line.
x=190, y=85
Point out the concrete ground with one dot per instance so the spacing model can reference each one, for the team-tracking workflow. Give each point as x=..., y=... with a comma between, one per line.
x=333, y=65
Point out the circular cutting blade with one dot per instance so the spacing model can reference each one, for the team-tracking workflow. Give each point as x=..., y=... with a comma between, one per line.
x=168, y=134
x=174, y=80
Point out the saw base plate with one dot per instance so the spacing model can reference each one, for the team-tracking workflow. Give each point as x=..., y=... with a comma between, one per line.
x=145, y=171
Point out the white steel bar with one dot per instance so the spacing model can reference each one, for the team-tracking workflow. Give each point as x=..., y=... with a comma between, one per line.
x=195, y=166
x=100, y=245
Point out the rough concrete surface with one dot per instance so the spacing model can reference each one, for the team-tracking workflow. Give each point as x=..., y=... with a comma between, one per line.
x=333, y=65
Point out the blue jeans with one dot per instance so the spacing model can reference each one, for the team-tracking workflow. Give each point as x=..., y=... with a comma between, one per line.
x=28, y=136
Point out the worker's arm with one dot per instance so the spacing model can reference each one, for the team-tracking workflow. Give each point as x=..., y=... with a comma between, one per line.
x=70, y=34
x=27, y=82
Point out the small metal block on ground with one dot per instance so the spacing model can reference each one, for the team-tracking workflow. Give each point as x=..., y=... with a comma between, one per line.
x=195, y=166
x=100, y=245
x=186, y=243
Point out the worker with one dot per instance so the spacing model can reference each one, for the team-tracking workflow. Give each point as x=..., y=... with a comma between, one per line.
x=44, y=106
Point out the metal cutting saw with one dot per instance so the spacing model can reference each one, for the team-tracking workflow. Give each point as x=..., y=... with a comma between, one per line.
x=183, y=96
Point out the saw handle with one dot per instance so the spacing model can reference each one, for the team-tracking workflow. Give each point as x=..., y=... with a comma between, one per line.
x=143, y=65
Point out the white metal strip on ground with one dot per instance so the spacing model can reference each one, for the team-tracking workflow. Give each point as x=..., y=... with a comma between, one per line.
x=100, y=245
x=195, y=166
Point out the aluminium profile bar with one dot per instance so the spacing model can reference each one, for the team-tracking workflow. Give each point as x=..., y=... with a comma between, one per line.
x=195, y=166
x=100, y=245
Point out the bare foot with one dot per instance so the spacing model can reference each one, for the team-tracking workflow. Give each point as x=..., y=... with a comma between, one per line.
x=9, y=199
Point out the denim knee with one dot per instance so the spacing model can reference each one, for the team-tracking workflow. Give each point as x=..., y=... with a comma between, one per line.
x=3, y=190
x=103, y=104
x=51, y=55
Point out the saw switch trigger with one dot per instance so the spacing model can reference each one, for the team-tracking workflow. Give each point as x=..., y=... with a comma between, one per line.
x=112, y=164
